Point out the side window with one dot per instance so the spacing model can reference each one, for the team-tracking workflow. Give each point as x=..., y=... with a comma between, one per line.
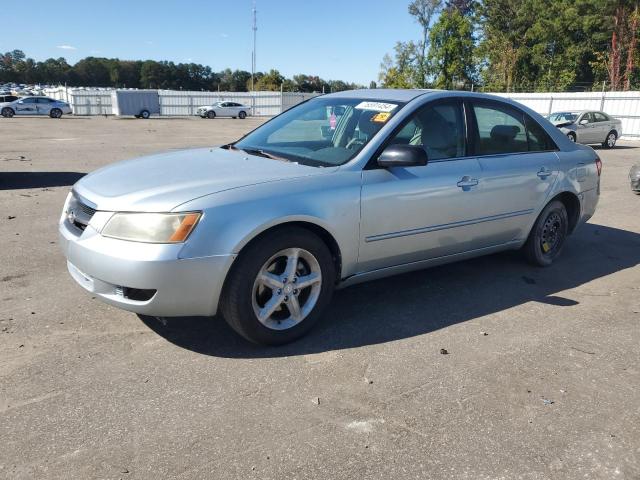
x=29, y=100
x=588, y=117
x=599, y=117
x=500, y=130
x=538, y=139
x=438, y=128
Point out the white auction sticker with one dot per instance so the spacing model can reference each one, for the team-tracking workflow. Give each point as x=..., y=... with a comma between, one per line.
x=377, y=106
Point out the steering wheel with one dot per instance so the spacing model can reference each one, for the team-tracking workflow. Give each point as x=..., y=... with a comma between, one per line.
x=355, y=143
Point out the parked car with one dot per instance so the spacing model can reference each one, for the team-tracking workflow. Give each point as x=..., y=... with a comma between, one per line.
x=634, y=177
x=35, y=106
x=588, y=127
x=263, y=229
x=224, y=109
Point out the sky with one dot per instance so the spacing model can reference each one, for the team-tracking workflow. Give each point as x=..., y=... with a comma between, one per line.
x=335, y=39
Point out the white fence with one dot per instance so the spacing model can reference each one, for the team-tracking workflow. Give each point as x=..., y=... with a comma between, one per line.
x=178, y=102
x=622, y=105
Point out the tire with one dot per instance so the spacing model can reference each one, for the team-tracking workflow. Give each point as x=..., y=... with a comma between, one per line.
x=211, y=114
x=548, y=235
x=242, y=115
x=571, y=136
x=8, y=112
x=145, y=114
x=610, y=141
x=244, y=296
x=55, y=113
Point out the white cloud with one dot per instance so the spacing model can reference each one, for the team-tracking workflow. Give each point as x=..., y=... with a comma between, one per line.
x=66, y=47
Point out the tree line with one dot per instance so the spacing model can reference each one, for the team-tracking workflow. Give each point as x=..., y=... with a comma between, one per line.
x=15, y=67
x=519, y=45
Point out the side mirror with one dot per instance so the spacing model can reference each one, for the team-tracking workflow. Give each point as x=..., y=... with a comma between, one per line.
x=584, y=122
x=402, y=156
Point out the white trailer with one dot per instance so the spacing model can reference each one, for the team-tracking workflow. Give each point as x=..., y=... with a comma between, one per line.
x=139, y=103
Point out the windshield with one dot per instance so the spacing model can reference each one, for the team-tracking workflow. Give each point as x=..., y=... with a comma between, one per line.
x=324, y=131
x=563, y=117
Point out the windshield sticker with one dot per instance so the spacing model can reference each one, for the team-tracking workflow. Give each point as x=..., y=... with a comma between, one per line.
x=377, y=106
x=381, y=117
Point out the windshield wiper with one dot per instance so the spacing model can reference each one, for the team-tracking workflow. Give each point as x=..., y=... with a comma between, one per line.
x=261, y=153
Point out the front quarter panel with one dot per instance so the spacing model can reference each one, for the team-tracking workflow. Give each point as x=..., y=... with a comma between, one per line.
x=233, y=218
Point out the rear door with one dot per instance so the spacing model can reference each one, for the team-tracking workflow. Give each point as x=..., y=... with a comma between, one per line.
x=44, y=105
x=519, y=167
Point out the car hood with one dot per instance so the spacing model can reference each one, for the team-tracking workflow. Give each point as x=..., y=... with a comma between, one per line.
x=160, y=183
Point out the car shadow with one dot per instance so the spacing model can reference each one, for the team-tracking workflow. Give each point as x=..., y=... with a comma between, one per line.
x=421, y=302
x=23, y=180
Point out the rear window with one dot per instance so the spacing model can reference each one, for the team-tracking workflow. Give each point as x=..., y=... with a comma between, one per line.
x=500, y=130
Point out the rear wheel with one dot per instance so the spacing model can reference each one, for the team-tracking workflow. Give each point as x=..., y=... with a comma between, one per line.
x=610, y=141
x=55, y=113
x=211, y=114
x=571, y=136
x=548, y=234
x=279, y=287
x=8, y=112
x=145, y=114
x=242, y=115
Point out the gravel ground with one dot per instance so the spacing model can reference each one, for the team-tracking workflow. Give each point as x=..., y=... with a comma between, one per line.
x=541, y=379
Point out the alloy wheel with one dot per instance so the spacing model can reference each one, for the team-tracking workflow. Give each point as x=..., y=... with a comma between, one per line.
x=286, y=288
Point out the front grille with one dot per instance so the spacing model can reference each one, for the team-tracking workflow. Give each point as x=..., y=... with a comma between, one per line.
x=79, y=213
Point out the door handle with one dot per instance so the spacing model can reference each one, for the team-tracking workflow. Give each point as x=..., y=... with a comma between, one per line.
x=544, y=173
x=467, y=182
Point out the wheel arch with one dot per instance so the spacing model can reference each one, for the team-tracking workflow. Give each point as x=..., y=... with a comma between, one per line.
x=320, y=231
x=572, y=204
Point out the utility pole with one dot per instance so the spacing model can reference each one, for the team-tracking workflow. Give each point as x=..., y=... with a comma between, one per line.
x=253, y=54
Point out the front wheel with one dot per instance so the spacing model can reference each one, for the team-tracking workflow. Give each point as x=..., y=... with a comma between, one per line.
x=279, y=286
x=8, y=112
x=211, y=114
x=548, y=234
x=610, y=141
x=55, y=113
x=242, y=115
x=145, y=114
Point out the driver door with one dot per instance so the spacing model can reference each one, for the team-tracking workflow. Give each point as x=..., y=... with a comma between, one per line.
x=26, y=106
x=410, y=214
x=586, y=133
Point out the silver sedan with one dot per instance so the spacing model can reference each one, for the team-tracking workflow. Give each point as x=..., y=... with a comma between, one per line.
x=224, y=109
x=35, y=106
x=341, y=189
x=588, y=127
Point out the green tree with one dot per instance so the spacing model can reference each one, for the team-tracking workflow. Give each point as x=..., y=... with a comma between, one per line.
x=270, y=81
x=450, y=57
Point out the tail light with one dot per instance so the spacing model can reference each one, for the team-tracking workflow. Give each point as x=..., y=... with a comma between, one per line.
x=598, y=165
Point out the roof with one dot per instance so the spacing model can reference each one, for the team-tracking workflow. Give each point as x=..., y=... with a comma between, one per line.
x=398, y=95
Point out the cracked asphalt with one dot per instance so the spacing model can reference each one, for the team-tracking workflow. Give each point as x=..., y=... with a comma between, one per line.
x=541, y=379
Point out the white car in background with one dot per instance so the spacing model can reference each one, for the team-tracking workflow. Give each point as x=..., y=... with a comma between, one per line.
x=224, y=109
x=588, y=127
x=35, y=106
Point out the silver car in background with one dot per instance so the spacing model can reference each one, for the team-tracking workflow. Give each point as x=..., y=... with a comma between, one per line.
x=35, y=106
x=224, y=109
x=588, y=127
x=338, y=190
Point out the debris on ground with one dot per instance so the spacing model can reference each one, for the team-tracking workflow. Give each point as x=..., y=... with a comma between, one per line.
x=443, y=351
x=546, y=401
x=484, y=334
x=368, y=380
x=316, y=400
x=11, y=217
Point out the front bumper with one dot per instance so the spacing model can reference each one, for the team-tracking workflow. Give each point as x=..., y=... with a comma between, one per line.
x=108, y=268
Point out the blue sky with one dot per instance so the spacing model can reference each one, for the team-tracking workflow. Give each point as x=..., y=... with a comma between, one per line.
x=335, y=39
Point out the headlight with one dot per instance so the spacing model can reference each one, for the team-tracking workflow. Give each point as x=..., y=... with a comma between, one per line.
x=151, y=227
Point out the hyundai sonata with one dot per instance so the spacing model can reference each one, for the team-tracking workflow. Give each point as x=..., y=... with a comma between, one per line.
x=340, y=189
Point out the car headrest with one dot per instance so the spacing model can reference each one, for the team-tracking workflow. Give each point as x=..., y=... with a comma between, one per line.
x=366, y=125
x=504, y=133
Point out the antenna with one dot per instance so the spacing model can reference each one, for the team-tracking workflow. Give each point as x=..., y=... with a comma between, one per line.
x=253, y=54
